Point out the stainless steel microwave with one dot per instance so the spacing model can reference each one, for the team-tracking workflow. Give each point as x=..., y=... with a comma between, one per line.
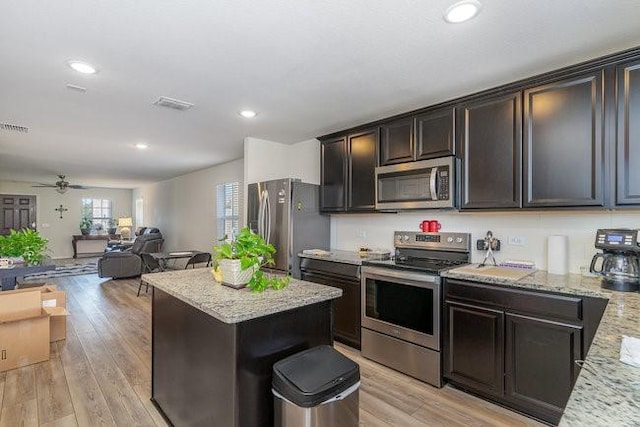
x=417, y=185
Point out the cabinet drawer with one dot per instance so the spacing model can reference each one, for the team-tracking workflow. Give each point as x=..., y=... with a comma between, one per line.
x=331, y=268
x=547, y=305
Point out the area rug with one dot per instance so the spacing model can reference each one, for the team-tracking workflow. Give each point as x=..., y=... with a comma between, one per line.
x=64, y=270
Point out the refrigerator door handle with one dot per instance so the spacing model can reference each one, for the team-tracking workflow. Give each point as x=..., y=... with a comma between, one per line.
x=260, y=214
x=267, y=209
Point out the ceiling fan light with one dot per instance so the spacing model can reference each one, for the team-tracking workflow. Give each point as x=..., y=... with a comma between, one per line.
x=61, y=190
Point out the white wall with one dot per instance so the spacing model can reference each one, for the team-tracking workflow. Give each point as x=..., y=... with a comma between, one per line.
x=184, y=208
x=265, y=160
x=376, y=230
x=59, y=231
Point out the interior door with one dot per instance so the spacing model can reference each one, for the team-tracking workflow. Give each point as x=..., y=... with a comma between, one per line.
x=18, y=212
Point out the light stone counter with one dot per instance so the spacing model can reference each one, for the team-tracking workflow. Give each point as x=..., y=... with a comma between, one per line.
x=198, y=288
x=607, y=391
x=337, y=255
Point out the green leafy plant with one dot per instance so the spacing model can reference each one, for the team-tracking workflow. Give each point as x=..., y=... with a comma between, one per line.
x=253, y=252
x=27, y=243
x=85, y=223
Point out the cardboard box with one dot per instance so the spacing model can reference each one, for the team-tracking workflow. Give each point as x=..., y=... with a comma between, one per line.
x=24, y=330
x=51, y=298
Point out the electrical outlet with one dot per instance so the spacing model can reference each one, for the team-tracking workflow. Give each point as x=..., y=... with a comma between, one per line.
x=517, y=240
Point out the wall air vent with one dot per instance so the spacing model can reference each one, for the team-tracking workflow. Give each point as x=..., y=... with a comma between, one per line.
x=176, y=104
x=13, y=128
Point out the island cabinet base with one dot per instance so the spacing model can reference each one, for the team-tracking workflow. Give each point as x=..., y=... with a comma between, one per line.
x=209, y=373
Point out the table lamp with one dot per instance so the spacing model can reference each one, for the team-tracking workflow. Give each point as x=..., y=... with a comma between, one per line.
x=125, y=224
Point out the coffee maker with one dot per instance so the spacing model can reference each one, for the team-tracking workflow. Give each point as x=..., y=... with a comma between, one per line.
x=620, y=266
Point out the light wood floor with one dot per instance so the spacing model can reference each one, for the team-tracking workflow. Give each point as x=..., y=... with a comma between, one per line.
x=101, y=374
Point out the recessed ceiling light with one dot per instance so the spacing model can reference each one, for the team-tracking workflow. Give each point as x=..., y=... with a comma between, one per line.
x=248, y=114
x=82, y=67
x=462, y=11
x=142, y=146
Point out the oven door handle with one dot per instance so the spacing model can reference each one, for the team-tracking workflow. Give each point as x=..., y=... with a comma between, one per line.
x=387, y=273
x=432, y=183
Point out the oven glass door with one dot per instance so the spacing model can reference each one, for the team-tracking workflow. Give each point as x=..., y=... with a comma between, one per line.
x=405, y=305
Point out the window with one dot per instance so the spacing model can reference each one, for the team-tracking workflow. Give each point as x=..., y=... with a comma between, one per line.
x=98, y=211
x=227, y=204
x=139, y=212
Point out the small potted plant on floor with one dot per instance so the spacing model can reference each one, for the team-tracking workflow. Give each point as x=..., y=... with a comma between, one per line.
x=237, y=263
x=26, y=244
x=85, y=225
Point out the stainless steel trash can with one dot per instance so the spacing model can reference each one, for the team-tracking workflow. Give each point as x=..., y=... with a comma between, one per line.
x=318, y=387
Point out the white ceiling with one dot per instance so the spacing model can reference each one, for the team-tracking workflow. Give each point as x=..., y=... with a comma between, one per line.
x=309, y=67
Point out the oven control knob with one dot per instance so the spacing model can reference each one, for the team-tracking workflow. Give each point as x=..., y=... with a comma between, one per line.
x=449, y=239
x=458, y=239
x=405, y=238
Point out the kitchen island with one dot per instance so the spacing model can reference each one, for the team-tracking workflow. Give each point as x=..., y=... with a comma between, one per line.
x=606, y=391
x=213, y=347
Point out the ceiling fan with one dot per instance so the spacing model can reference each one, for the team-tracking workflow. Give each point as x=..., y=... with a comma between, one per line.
x=62, y=185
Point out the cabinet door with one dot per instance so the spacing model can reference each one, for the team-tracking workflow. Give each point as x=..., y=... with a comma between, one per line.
x=540, y=364
x=490, y=132
x=346, y=309
x=362, y=165
x=563, y=149
x=434, y=134
x=333, y=180
x=473, y=347
x=628, y=147
x=396, y=142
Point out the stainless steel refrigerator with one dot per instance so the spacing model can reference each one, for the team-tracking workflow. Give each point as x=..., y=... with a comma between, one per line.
x=286, y=213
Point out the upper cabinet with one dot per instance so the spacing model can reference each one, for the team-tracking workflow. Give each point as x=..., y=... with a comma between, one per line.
x=435, y=134
x=628, y=142
x=396, y=142
x=348, y=172
x=563, y=142
x=426, y=136
x=490, y=141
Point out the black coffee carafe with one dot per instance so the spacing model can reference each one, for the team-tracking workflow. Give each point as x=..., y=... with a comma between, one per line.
x=620, y=271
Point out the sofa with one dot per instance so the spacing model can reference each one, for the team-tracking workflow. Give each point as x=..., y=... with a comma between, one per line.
x=127, y=262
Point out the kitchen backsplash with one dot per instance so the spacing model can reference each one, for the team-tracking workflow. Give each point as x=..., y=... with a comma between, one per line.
x=523, y=235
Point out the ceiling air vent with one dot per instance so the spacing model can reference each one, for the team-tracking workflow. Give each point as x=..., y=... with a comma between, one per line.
x=13, y=128
x=176, y=104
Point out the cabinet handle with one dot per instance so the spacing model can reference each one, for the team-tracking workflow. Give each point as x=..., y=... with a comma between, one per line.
x=4, y=355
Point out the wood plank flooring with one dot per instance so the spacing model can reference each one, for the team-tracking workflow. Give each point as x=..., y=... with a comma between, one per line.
x=101, y=374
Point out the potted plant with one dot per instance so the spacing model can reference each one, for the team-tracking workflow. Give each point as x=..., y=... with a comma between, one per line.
x=237, y=262
x=27, y=244
x=112, y=226
x=85, y=225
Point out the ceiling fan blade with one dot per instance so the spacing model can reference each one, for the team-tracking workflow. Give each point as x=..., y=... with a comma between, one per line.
x=45, y=185
x=78, y=187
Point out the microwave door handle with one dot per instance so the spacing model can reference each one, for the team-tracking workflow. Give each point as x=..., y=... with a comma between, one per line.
x=432, y=184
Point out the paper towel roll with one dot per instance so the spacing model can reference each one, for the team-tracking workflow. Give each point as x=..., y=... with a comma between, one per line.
x=558, y=254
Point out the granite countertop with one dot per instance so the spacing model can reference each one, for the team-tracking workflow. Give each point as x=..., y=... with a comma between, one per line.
x=337, y=255
x=198, y=288
x=607, y=391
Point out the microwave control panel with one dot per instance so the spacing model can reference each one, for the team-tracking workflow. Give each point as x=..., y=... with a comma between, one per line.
x=443, y=183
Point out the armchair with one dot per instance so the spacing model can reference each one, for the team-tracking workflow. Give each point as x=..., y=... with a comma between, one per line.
x=127, y=263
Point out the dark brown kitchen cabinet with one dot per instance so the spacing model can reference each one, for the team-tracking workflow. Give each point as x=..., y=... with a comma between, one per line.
x=347, y=182
x=474, y=344
x=490, y=141
x=563, y=142
x=333, y=177
x=426, y=136
x=628, y=143
x=361, y=192
x=517, y=347
x=434, y=134
x=540, y=364
x=347, y=308
x=396, y=142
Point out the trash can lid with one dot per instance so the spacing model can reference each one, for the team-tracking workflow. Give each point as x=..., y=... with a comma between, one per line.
x=312, y=376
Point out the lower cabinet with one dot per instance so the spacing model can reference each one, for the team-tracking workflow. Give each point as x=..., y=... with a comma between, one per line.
x=347, y=308
x=516, y=347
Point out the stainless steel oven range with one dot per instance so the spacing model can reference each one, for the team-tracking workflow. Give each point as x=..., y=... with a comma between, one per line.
x=401, y=302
